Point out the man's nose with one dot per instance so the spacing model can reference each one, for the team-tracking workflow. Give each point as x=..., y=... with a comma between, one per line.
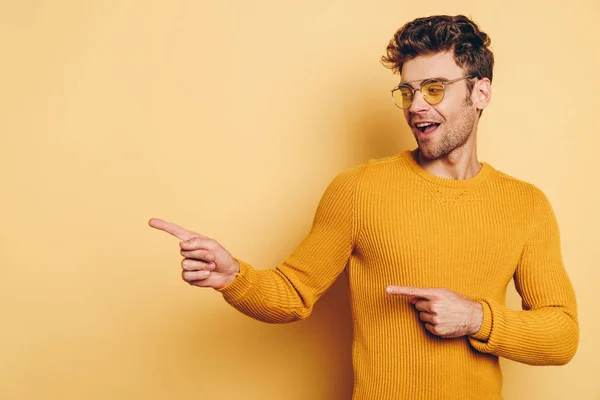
x=418, y=103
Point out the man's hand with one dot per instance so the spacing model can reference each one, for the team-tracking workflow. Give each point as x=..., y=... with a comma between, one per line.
x=206, y=263
x=445, y=313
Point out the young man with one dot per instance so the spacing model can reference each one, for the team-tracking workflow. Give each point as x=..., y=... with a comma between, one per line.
x=429, y=240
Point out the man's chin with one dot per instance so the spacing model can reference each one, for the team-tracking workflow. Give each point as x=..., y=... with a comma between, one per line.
x=429, y=152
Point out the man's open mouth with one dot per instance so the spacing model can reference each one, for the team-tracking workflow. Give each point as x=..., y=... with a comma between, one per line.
x=426, y=127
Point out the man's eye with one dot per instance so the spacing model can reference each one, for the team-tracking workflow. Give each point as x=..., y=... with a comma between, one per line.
x=435, y=90
x=405, y=93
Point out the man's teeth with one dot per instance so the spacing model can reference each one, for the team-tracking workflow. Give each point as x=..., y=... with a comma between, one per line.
x=423, y=124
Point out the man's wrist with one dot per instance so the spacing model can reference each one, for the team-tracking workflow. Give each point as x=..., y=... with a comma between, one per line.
x=477, y=318
x=236, y=271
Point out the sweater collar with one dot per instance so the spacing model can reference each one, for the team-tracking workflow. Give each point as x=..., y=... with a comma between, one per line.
x=481, y=176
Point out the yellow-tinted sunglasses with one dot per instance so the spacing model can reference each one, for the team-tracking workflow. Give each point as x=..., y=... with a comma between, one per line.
x=432, y=90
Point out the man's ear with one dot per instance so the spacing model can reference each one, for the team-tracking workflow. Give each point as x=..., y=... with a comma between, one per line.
x=482, y=93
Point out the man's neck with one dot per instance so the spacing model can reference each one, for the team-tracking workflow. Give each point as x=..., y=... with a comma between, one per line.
x=461, y=164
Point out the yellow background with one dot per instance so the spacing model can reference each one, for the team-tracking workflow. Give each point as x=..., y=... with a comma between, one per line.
x=230, y=118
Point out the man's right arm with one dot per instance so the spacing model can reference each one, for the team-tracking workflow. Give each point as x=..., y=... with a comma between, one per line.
x=288, y=292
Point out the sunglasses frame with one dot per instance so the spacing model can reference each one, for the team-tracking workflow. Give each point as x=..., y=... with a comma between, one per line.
x=413, y=90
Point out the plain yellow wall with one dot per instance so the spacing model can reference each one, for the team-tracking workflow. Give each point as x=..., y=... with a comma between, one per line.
x=230, y=118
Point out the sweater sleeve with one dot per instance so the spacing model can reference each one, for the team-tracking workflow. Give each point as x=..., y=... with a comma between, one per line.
x=288, y=292
x=546, y=331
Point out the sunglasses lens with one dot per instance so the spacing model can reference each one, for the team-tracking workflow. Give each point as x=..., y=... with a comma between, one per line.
x=403, y=97
x=433, y=91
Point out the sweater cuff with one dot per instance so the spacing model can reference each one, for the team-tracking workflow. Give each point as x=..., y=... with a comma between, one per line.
x=236, y=290
x=486, y=326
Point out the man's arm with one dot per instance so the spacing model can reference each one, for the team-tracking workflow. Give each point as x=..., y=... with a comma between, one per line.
x=546, y=331
x=289, y=291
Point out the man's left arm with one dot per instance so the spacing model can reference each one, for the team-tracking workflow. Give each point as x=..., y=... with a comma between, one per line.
x=546, y=331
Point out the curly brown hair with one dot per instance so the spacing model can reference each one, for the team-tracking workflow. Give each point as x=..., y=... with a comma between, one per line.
x=439, y=33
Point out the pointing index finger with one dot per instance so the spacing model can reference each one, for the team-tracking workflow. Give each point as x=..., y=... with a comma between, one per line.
x=173, y=229
x=411, y=291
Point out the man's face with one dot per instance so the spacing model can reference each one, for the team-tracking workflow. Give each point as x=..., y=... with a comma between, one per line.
x=456, y=115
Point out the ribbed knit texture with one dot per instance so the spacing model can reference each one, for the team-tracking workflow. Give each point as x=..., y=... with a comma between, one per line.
x=390, y=222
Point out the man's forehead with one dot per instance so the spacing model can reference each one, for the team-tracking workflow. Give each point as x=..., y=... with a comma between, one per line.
x=437, y=65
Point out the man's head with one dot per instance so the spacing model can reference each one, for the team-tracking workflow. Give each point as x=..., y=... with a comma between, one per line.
x=446, y=48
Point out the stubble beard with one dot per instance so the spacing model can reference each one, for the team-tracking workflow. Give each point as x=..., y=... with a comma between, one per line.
x=457, y=131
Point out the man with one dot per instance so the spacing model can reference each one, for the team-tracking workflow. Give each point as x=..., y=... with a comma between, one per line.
x=429, y=240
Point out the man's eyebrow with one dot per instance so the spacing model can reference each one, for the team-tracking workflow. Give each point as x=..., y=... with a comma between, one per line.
x=439, y=78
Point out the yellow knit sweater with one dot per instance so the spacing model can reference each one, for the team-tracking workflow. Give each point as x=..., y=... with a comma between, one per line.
x=390, y=222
